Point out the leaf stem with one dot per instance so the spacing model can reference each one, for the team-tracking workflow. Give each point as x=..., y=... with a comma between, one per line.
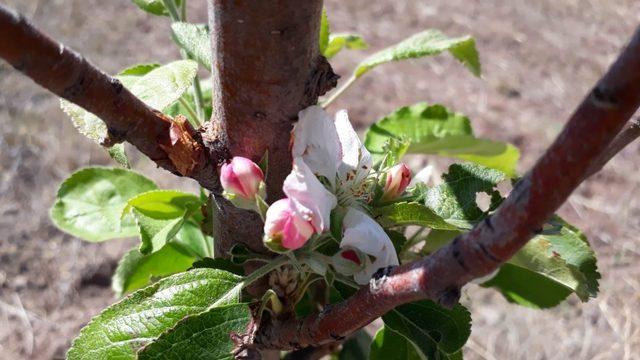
x=193, y=117
x=196, y=90
x=334, y=95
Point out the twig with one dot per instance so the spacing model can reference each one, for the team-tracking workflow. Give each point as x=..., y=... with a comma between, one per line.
x=489, y=244
x=626, y=137
x=68, y=75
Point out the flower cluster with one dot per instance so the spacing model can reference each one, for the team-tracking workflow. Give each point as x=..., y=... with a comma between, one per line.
x=331, y=170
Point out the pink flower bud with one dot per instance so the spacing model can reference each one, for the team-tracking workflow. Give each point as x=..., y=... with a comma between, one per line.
x=284, y=226
x=398, y=178
x=241, y=177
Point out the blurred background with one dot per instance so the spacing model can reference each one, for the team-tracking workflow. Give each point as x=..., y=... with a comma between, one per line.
x=539, y=58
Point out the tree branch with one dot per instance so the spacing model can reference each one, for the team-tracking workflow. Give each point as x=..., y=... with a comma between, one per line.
x=68, y=75
x=626, y=137
x=489, y=244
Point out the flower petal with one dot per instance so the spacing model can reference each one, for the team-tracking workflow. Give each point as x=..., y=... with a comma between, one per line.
x=356, y=161
x=309, y=197
x=365, y=234
x=316, y=141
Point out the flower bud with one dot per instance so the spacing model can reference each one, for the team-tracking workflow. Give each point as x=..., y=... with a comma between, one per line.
x=284, y=228
x=398, y=178
x=241, y=177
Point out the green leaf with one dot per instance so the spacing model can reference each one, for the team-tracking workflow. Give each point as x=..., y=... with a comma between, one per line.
x=549, y=268
x=419, y=123
x=138, y=69
x=125, y=327
x=201, y=336
x=219, y=263
x=158, y=86
x=455, y=199
x=432, y=129
x=192, y=240
x=136, y=270
x=195, y=40
x=324, y=32
x=410, y=213
x=89, y=203
x=95, y=129
x=164, y=85
x=436, y=332
x=339, y=41
x=119, y=155
x=155, y=7
x=356, y=347
x=494, y=154
x=160, y=214
x=389, y=345
x=426, y=43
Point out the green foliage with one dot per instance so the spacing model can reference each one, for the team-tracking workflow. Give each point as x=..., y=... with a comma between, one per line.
x=389, y=345
x=356, y=347
x=339, y=41
x=411, y=213
x=455, y=199
x=195, y=40
x=89, y=203
x=158, y=86
x=125, y=327
x=200, y=336
x=426, y=43
x=139, y=69
x=323, y=38
x=549, y=268
x=436, y=332
x=164, y=85
x=432, y=129
x=160, y=214
x=155, y=7
x=136, y=270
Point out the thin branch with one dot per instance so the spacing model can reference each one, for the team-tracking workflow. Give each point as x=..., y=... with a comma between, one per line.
x=70, y=76
x=630, y=133
x=534, y=199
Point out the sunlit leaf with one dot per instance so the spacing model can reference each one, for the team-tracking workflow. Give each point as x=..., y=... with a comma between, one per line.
x=90, y=202
x=339, y=41
x=155, y=7
x=426, y=43
x=432, y=129
x=324, y=32
x=195, y=40
x=201, y=336
x=122, y=329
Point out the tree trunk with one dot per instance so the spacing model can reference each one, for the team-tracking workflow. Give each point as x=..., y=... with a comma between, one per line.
x=266, y=68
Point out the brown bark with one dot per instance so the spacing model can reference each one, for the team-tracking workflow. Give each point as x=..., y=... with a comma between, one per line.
x=533, y=200
x=67, y=74
x=266, y=68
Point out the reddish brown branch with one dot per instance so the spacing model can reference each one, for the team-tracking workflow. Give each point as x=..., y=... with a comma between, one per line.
x=630, y=133
x=479, y=252
x=67, y=74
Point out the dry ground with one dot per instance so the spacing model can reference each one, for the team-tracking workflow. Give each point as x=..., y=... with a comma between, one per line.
x=539, y=58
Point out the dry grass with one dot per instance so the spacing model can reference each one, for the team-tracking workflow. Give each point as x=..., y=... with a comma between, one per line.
x=539, y=59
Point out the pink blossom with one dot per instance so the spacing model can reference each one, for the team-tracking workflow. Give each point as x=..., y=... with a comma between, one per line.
x=241, y=177
x=398, y=178
x=285, y=226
